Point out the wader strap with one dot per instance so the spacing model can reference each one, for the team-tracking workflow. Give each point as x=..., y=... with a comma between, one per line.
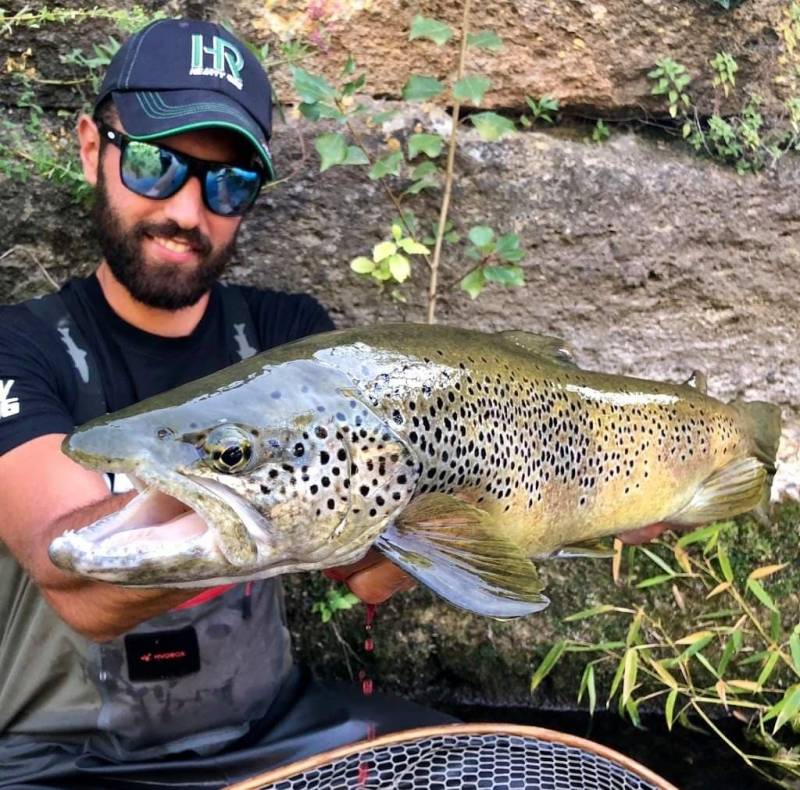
x=244, y=337
x=91, y=400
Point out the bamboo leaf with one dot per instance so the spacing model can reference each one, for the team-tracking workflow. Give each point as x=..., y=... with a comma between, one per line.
x=721, y=587
x=629, y=674
x=682, y=558
x=658, y=561
x=794, y=647
x=594, y=610
x=654, y=581
x=548, y=662
x=633, y=629
x=698, y=535
x=791, y=707
x=744, y=685
x=616, y=680
x=691, y=639
x=669, y=708
x=588, y=684
x=756, y=588
x=724, y=563
x=664, y=675
x=769, y=665
x=766, y=570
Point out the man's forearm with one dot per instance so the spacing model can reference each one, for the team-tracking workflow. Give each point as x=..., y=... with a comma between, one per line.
x=98, y=610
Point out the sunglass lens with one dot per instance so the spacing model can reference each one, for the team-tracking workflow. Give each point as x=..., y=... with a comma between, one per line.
x=151, y=171
x=231, y=190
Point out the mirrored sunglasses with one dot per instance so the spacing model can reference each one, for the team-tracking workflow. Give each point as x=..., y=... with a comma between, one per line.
x=157, y=172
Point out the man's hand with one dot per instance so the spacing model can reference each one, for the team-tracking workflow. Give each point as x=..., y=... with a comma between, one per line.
x=373, y=578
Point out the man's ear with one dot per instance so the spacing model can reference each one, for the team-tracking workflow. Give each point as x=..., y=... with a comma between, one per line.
x=89, y=140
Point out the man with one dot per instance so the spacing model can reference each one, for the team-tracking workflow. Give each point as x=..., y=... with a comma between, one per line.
x=177, y=151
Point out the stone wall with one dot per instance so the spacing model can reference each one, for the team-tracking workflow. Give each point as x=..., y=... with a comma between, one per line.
x=646, y=258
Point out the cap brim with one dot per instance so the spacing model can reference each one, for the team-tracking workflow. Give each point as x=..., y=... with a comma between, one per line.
x=148, y=115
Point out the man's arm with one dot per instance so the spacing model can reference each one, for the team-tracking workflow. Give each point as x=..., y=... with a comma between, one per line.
x=43, y=493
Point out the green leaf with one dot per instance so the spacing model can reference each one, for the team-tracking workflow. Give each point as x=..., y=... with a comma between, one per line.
x=698, y=535
x=428, y=144
x=473, y=283
x=585, y=613
x=399, y=267
x=508, y=248
x=491, y=126
x=669, y=708
x=397, y=231
x=413, y=247
x=769, y=665
x=418, y=186
x=724, y=563
x=790, y=708
x=424, y=169
x=548, y=662
x=349, y=66
x=432, y=29
x=382, y=117
x=471, y=89
x=758, y=590
x=485, y=39
x=794, y=647
x=310, y=87
x=588, y=684
x=504, y=275
x=727, y=654
x=481, y=235
x=362, y=265
x=383, y=250
x=629, y=673
x=420, y=88
x=387, y=165
x=654, y=581
x=355, y=156
x=332, y=149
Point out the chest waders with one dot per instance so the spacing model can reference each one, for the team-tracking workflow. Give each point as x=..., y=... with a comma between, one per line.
x=65, y=685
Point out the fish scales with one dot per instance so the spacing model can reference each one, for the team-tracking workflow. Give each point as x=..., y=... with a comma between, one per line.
x=541, y=445
x=460, y=454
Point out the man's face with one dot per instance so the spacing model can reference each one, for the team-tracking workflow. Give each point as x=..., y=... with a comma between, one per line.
x=167, y=253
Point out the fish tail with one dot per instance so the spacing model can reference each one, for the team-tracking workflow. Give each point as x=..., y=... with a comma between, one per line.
x=763, y=421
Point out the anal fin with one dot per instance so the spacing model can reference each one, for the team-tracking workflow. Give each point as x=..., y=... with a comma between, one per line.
x=460, y=553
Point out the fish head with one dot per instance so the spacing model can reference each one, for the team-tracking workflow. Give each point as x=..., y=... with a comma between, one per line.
x=239, y=484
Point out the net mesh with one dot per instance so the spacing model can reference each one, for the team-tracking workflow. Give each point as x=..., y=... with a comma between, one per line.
x=468, y=762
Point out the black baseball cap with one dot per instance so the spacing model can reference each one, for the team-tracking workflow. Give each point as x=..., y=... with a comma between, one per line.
x=177, y=75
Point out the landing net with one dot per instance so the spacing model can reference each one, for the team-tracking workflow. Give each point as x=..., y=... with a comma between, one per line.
x=465, y=757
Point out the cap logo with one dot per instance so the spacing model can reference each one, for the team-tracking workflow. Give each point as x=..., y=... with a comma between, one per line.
x=226, y=64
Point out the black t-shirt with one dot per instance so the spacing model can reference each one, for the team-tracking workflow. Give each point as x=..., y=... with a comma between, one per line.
x=38, y=385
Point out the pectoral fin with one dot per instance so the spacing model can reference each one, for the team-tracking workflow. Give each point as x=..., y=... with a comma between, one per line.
x=459, y=552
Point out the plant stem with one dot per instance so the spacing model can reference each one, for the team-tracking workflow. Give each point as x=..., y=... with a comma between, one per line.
x=448, y=183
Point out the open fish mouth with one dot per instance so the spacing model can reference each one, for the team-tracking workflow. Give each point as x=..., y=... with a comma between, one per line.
x=178, y=525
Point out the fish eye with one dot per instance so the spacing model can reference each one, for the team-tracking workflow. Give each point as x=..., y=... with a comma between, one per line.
x=228, y=449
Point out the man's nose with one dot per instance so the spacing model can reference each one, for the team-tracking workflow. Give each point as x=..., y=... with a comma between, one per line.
x=186, y=207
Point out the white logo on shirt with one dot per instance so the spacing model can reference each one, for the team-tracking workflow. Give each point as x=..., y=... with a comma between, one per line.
x=8, y=406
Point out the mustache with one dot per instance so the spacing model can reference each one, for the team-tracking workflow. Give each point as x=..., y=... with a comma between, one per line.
x=171, y=230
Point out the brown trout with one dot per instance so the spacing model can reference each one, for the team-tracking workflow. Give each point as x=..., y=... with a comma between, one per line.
x=463, y=456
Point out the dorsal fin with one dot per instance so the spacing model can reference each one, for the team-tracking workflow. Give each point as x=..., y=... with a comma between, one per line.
x=697, y=381
x=547, y=346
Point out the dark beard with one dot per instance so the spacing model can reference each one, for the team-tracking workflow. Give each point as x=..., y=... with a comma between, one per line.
x=166, y=286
